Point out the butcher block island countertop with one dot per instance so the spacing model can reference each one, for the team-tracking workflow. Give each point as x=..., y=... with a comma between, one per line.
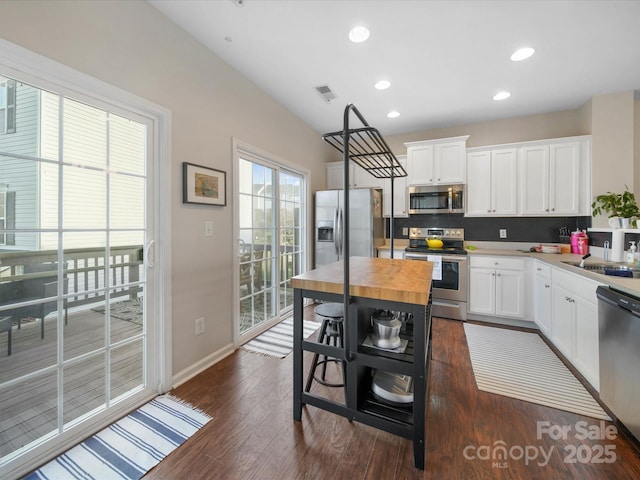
x=395, y=280
x=374, y=283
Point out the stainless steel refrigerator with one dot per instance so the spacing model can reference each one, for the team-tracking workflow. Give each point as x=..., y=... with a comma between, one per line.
x=366, y=225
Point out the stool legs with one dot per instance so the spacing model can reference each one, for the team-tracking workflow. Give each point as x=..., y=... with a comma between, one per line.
x=335, y=336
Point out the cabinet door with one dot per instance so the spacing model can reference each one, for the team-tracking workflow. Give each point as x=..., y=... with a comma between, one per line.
x=399, y=194
x=335, y=175
x=542, y=303
x=450, y=162
x=564, y=178
x=478, y=189
x=587, y=353
x=482, y=291
x=534, y=180
x=420, y=165
x=510, y=293
x=363, y=179
x=503, y=182
x=562, y=326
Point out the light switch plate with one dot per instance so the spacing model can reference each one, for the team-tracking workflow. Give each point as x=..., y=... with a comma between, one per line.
x=208, y=228
x=503, y=233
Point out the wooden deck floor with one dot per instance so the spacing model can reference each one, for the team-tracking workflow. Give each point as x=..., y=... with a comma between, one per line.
x=253, y=435
x=29, y=409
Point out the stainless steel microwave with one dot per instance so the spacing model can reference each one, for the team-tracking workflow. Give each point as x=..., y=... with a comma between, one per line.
x=436, y=199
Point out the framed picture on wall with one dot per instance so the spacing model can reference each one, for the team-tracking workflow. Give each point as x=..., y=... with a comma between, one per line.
x=203, y=185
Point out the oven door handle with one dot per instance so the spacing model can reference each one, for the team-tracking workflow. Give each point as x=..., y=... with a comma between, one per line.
x=452, y=258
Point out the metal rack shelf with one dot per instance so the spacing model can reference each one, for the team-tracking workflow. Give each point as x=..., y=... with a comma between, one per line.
x=368, y=149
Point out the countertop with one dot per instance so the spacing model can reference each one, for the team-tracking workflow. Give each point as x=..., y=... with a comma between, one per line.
x=628, y=285
x=378, y=278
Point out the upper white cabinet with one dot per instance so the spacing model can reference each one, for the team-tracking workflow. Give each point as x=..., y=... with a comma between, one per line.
x=358, y=177
x=399, y=193
x=555, y=178
x=335, y=176
x=433, y=162
x=491, y=182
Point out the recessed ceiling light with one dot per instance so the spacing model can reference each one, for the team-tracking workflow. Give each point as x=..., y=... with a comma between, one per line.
x=393, y=114
x=359, y=34
x=501, y=95
x=383, y=84
x=522, y=54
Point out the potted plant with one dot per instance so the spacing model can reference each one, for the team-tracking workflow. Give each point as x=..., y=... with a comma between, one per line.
x=621, y=205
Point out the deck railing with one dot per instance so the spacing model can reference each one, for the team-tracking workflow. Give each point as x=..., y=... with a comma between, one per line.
x=84, y=270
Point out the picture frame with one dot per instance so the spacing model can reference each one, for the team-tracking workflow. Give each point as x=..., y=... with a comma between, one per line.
x=203, y=185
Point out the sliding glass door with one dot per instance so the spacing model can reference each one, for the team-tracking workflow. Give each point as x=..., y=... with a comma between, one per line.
x=270, y=236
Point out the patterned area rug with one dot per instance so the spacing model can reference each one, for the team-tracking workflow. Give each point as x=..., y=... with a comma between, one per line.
x=129, y=310
x=130, y=447
x=520, y=365
x=278, y=340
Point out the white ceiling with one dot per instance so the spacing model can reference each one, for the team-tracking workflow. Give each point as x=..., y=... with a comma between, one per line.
x=445, y=59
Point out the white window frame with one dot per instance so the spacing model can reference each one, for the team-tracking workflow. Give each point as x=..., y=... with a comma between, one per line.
x=240, y=149
x=18, y=62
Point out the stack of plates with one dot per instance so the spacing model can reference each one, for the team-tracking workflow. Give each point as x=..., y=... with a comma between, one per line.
x=392, y=388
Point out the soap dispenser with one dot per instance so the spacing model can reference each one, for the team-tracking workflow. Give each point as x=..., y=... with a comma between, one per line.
x=631, y=253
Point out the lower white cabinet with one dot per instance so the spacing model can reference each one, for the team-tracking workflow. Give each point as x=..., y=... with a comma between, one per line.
x=386, y=253
x=574, y=322
x=542, y=296
x=497, y=286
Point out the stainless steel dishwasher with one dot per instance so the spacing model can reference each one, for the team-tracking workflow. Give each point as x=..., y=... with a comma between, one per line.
x=619, y=328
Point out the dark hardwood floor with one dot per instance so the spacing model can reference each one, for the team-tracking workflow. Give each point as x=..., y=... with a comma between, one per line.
x=253, y=435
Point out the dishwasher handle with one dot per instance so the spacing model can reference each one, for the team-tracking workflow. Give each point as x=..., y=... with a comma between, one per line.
x=619, y=299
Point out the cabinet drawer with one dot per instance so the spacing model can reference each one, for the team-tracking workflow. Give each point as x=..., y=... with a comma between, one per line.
x=506, y=263
x=542, y=269
x=576, y=284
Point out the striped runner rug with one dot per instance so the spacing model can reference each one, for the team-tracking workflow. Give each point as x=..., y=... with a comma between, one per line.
x=520, y=365
x=278, y=340
x=130, y=447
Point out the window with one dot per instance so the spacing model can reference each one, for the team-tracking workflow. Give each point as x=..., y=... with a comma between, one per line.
x=3, y=213
x=7, y=105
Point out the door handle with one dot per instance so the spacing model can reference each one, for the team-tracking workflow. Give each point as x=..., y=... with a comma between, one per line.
x=335, y=232
x=149, y=254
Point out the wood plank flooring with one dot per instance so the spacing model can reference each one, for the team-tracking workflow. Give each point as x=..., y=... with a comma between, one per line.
x=253, y=435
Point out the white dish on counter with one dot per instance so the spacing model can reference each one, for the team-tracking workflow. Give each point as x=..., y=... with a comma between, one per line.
x=550, y=249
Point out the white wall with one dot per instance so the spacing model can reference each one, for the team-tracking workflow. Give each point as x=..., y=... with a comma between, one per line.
x=131, y=45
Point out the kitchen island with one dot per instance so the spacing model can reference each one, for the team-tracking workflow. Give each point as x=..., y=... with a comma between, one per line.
x=375, y=283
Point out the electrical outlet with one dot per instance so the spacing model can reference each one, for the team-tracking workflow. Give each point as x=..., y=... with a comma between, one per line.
x=503, y=233
x=405, y=231
x=199, y=325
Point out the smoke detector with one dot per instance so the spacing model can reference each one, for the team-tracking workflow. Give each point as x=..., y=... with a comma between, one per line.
x=326, y=93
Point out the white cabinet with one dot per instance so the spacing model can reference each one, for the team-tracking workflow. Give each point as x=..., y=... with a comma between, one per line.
x=542, y=296
x=358, y=177
x=363, y=179
x=386, y=253
x=335, y=175
x=491, y=182
x=555, y=178
x=399, y=193
x=497, y=286
x=574, y=325
x=434, y=162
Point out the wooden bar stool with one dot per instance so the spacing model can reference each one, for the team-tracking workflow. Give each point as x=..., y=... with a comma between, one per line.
x=331, y=332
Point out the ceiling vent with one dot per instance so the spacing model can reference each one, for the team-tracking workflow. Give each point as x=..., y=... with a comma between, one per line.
x=326, y=93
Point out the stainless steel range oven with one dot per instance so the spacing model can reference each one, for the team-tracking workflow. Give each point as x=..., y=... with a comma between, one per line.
x=449, y=284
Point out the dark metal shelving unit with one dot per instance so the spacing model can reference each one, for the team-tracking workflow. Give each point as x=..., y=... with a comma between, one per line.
x=367, y=148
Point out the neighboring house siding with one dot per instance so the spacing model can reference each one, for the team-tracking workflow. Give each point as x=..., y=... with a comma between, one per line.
x=22, y=176
x=49, y=142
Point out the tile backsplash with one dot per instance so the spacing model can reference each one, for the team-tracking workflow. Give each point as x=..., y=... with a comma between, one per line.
x=519, y=229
